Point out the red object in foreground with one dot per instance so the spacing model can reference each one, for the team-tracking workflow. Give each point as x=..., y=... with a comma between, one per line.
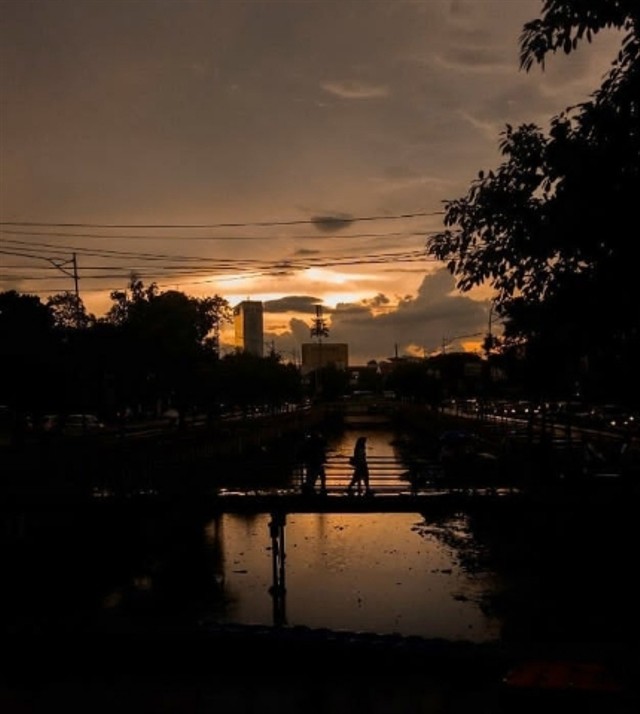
x=562, y=676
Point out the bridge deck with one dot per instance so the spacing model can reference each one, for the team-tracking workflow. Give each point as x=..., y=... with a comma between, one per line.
x=396, y=486
x=386, y=501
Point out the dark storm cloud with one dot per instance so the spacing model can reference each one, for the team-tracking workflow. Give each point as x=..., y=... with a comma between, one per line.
x=378, y=300
x=281, y=273
x=332, y=223
x=293, y=303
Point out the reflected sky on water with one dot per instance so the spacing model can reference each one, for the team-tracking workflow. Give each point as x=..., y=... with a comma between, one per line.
x=385, y=573
x=557, y=574
x=379, y=572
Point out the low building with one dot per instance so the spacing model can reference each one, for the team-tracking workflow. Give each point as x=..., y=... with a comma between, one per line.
x=316, y=355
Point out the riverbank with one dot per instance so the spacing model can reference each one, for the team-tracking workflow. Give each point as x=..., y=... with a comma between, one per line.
x=253, y=670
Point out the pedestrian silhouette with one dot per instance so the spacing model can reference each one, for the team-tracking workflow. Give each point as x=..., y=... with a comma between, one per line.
x=314, y=454
x=360, y=477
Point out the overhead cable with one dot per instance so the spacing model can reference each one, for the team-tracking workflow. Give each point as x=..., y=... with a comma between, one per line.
x=320, y=220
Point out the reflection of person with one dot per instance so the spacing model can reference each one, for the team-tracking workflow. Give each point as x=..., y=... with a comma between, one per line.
x=360, y=475
x=314, y=456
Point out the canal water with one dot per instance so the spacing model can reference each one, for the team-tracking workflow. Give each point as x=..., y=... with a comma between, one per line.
x=453, y=577
x=377, y=572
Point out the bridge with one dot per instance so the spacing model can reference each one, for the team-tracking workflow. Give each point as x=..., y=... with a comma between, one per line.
x=396, y=486
x=394, y=489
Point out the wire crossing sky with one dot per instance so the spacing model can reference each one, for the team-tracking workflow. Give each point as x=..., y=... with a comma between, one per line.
x=294, y=152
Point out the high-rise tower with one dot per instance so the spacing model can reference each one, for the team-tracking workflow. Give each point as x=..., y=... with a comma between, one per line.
x=249, y=327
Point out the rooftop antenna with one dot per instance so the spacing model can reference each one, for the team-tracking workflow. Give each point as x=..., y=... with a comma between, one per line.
x=319, y=330
x=319, y=327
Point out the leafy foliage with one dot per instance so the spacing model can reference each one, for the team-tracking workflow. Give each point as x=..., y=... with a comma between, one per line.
x=152, y=350
x=551, y=229
x=69, y=312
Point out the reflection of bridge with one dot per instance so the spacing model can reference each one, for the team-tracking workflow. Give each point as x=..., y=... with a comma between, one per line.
x=398, y=486
x=393, y=499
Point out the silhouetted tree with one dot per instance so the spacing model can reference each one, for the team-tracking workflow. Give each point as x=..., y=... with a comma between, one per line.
x=247, y=380
x=165, y=339
x=24, y=320
x=329, y=382
x=26, y=344
x=69, y=311
x=549, y=229
x=416, y=382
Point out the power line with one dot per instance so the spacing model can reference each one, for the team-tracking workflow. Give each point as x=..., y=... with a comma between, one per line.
x=320, y=220
x=204, y=267
x=219, y=263
x=254, y=269
x=195, y=266
x=219, y=274
x=316, y=237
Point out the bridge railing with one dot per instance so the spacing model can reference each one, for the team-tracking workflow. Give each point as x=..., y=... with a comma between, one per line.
x=386, y=474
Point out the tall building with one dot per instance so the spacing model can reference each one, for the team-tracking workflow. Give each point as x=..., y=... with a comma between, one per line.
x=249, y=327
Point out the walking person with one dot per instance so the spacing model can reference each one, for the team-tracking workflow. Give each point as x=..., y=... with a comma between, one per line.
x=360, y=475
x=314, y=457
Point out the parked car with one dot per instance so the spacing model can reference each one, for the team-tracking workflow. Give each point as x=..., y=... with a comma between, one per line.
x=51, y=423
x=77, y=424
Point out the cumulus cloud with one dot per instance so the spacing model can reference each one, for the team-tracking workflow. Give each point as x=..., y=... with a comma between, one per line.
x=376, y=327
x=292, y=303
x=254, y=112
x=378, y=300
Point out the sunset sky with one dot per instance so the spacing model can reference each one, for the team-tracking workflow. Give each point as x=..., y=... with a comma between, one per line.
x=204, y=145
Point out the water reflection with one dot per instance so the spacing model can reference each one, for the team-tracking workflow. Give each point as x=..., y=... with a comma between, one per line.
x=569, y=571
x=384, y=573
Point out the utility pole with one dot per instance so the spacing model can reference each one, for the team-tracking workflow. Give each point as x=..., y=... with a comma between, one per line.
x=77, y=290
x=61, y=266
x=74, y=262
